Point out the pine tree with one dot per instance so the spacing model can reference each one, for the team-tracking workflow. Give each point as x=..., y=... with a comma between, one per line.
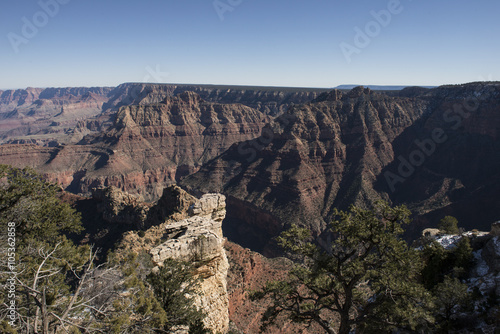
x=367, y=279
x=449, y=225
x=174, y=286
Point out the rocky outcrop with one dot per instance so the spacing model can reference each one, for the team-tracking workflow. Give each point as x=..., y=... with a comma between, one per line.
x=181, y=227
x=495, y=229
x=198, y=239
x=117, y=206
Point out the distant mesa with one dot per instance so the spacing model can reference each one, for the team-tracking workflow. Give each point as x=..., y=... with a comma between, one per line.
x=379, y=87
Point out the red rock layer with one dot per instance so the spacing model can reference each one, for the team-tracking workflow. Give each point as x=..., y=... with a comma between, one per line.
x=148, y=147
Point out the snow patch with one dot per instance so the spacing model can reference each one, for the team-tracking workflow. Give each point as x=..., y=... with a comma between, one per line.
x=448, y=241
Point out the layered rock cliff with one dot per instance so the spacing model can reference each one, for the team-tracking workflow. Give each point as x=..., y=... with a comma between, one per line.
x=317, y=156
x=42, y=116
x=268, y=100
x=348, y=148
x=148, y=147
x=64, y=115
x=435, y=150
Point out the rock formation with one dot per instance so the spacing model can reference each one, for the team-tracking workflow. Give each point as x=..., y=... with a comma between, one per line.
x=317, y=156
x=149, y=146
x=42, y=116
x=181, y=227
x=268, y=100
x=198, y=239
x=119, y=207
x=436, y=151
x=65, y=115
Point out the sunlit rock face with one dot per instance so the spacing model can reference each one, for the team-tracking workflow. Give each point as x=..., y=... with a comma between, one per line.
x=198, y=239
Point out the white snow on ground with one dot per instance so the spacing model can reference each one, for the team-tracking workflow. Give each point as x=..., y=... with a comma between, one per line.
x=448, y=241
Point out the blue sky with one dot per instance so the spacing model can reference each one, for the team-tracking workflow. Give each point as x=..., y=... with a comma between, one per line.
x=257, y=42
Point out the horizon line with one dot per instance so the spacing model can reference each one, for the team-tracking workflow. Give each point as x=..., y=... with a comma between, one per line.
x=249, y=86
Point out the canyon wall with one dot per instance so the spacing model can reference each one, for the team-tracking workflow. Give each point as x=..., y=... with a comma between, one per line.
x=47, y=116
x=435, y=150
x=148, y=146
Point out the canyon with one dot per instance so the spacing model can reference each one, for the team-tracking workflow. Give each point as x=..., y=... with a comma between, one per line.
x=142, y=138
x=280, y=155
x=259, y=159
x=47, y=116
x=362, y=146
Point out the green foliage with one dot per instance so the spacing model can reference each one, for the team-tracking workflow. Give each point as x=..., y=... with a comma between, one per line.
x=137, y=310
x=48, y=263
x=6, y=328
x=367, y=278
x=462, y=256
x=440, y=262
x=449, y=225
x=33, y=204
x=452, y=301
x=174, y=285
x=443, y=270
x=59, y=282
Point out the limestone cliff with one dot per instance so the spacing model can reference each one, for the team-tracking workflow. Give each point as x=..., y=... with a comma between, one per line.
x=198, y=239
x=183, y=228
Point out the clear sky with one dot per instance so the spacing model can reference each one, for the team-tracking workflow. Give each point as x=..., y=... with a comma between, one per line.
x=248, y=42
